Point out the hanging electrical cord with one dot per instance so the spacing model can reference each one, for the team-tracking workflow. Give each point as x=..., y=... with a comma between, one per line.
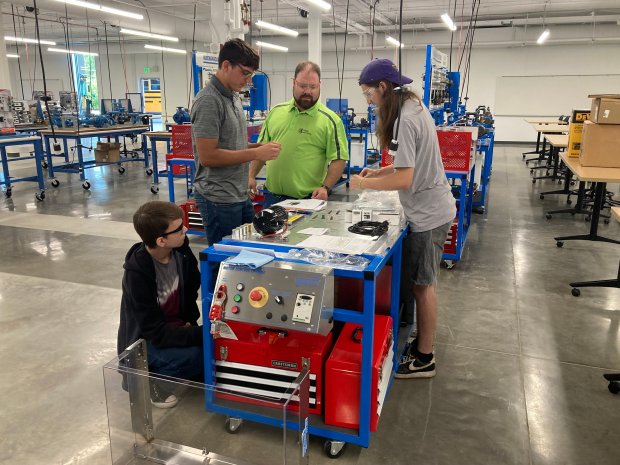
x=163, y=82
x=121, y=44
x=373, y=12
x=45, y=99
x=19, y=64
x=336, y=43
x=470, y=47
x=65, y=27
x=90, y=66
x=344, y=55
x=394, y=144
x=107, y=53
x=191, y=74
x=99, y=57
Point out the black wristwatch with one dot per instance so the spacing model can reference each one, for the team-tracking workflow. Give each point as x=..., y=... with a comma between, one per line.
x=328, y=189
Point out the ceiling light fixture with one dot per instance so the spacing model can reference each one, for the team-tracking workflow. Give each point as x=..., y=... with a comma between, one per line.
x=394, y=42
x=276, y=28
x=446, y=19
x=166, y=49
x=150, y=35
x=12, y=55
x=543, y=37
x=28, y=41
x=103, y=9
x=68, y=50
x=279, y=48
x=320, y=3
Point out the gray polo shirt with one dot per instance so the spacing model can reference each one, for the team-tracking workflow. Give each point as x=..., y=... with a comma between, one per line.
x=217, y=113
x=428, y=203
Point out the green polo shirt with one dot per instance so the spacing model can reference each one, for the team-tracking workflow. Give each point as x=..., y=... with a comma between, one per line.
x=310, y=139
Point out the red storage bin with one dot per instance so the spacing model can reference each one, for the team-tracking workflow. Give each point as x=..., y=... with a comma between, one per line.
x=264, y=365
x=455, y=148
x=450, y=245
x=343, y=373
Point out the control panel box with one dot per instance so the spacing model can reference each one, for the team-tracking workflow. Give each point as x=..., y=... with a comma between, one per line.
x=291, y=296
x=7, y=124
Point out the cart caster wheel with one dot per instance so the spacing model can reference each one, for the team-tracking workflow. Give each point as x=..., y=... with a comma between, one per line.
x=534, y=181
x=569, y=202
x=542, y=196
x=448, y=264
x=86, y=185
x=527, y=163
x=55, y=183
x=233, y=424
x=44, y=165
x=613, y=387
x=8, y=193
x=559, y=244
x=121, y=170
x=154, y=189
x=576, y=292
x=606, y=221
x=39, y=196
x=149, y=172
x=334, y=449
x=524, y=156
x=548, y=216
x=572, y=183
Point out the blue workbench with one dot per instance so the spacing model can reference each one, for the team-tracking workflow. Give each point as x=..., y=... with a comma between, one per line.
x=7, y=181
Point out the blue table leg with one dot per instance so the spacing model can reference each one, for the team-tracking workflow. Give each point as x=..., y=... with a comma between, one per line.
x=38, y=156
x=48, y=154
x=80, y=159
x=66, y=149
x=154, y=161
x=5, y=171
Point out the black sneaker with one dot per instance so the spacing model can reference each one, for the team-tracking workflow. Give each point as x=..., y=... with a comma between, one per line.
x=410, y=345
x=161, y=398
x=410, y=367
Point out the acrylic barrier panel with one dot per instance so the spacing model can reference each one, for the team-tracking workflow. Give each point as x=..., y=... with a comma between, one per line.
x=206, y=425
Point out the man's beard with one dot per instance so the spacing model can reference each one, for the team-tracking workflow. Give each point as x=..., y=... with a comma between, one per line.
x=305, y=103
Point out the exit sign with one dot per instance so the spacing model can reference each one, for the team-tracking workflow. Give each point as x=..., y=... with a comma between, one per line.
x=147, y=70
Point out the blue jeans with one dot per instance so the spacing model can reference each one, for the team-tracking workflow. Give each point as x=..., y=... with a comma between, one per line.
x=221, y=218
x=178, y=362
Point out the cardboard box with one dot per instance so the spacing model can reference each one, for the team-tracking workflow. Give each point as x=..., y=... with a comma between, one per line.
x=605, y=109
x=600, y=145
x=107, y=152
x=575, y=129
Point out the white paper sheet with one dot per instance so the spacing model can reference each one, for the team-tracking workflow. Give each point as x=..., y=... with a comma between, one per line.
x=314, y=231
x=348, y=245
x=303, y=204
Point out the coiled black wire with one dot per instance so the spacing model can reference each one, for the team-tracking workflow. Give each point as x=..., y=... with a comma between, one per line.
x=369, y=228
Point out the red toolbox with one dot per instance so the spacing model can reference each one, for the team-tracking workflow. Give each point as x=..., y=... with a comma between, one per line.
x=343, y=374
x=192, y=219
x=263, y=364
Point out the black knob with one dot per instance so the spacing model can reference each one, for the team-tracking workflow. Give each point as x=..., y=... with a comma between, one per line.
x=284, y=318
x=279, y=299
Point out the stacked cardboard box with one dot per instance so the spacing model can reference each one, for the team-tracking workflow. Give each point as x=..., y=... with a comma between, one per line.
x=575, y=130
x=107, y=152
x=600, y=144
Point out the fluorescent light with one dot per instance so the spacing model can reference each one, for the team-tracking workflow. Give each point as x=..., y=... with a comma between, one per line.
x=272, y=46
x=28, y=41
x=104, y=9
x=275, y=28
x=543, y=36
x=149, y=35
x=393, y=41
x=68, y=50
x=320, y=3
x=166, y=49
x=446, y=19
x=12, y=55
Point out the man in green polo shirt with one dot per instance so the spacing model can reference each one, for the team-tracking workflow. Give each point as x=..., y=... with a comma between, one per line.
x=314, y=149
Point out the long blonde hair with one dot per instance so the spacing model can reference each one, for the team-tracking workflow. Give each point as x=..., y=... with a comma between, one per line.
x=388, y=111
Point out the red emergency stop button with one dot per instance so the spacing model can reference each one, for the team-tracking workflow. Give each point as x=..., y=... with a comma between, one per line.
x=256, y=295
x=235, y=309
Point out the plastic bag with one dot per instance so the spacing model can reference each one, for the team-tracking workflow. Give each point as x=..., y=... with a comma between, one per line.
x=329, y=259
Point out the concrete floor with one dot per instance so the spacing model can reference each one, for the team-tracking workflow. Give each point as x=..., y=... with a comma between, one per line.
x=520, y=360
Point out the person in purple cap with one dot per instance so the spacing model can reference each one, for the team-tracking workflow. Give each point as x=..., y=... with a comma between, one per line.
x=425, y=194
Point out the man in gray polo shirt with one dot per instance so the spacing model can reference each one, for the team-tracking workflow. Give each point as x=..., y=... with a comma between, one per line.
x=221, y=149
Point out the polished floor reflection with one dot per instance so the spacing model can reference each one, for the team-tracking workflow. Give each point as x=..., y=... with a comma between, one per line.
x=520, y=360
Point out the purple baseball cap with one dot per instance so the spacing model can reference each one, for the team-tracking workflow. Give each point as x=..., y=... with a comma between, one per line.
x=382, y=69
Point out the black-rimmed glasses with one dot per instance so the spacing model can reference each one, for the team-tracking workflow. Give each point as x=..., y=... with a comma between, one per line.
x=166, y=234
